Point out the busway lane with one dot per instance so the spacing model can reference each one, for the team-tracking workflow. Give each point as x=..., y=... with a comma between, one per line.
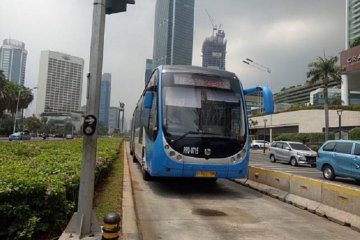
x=180, y=209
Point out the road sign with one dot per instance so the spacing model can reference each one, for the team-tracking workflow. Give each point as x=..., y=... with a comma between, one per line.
x=89, y=125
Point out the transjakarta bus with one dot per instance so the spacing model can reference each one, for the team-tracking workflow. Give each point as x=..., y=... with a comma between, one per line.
x=192, y=122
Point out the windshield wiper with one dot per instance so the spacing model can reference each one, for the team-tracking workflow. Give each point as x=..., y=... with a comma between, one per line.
x=184, y=135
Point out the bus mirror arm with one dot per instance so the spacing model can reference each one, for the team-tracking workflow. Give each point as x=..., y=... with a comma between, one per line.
x=267, y=97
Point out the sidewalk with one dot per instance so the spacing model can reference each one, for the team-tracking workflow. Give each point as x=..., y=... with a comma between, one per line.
x=129, y=225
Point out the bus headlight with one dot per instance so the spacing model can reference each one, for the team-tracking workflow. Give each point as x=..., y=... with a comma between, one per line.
x=233, y=159
x=172, y=153
x=166, y=147
x=179, y=157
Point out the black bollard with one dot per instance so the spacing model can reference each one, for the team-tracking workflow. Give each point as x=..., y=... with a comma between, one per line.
x=111, y=227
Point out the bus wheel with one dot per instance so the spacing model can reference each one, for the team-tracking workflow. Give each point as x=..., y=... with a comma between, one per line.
x=146, y=175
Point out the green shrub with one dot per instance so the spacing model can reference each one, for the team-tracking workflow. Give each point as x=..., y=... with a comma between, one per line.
x=354, y=133
x=39, y=183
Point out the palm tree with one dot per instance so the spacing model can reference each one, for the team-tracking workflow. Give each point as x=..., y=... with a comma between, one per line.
x=324, y=69
x=2, y=92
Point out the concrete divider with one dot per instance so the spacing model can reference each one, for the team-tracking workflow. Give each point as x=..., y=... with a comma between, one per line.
x=305, y=187
x=338, y=203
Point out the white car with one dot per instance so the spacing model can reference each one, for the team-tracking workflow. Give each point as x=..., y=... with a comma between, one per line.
x=257, y=144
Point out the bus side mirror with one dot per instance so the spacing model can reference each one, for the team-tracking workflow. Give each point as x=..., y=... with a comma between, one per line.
x=267, y=97
x=148, y=100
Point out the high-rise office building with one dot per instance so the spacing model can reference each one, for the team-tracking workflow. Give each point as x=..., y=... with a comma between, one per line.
x=173, y=32
x=105, y=92
x=60, y=83
x=148, y=70
x=114, y=119
x=214, y=51
x=353, y=20
x=350, y=64
x=13, y=60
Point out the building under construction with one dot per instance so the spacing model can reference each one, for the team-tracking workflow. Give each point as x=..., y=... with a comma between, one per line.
x=214, y=51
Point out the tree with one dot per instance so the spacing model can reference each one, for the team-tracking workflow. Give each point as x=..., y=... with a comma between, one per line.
x=12, y=93
x=33, y=124
x=324, y=69
x=355, y=42
x=2, y=92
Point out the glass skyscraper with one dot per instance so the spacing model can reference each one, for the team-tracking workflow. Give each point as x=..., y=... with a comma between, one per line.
x=148, y=70
x=105, y=92
x=353, y=20
x=173, y=32
x=13, y=60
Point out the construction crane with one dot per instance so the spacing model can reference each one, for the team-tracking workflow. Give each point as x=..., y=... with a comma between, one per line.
x=215, y=27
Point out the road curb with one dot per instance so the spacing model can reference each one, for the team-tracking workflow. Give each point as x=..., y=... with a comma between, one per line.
x=339, y=204
x=129, y=223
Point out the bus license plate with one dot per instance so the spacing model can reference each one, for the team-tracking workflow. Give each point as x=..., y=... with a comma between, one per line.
x=208, y=174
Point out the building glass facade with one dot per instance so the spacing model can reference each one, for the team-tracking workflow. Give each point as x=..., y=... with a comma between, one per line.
x=148, y=70
x=300, y=94
x=105, y=92
x=13, y=60
x=353, y=18
x=173, y=32
x=114, y=119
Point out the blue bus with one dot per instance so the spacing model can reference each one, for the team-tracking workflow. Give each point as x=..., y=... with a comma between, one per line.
x=192, y=122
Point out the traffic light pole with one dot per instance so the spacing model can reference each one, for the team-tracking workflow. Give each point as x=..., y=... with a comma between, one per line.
x=83, y=223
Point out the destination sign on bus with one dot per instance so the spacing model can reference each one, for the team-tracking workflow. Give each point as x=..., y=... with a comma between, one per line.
x=201, y=82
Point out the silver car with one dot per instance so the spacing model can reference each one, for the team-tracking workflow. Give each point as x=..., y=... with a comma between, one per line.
x=295, y=153
x=20, y=136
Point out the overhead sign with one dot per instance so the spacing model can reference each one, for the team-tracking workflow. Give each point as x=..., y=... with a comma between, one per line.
x=89, y=126
x=183, y=79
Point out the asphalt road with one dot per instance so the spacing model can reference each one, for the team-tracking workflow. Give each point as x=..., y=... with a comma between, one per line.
x=259, y=159
x=180, y=209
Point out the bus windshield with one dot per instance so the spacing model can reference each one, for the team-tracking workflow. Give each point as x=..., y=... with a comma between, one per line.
x=207, y=106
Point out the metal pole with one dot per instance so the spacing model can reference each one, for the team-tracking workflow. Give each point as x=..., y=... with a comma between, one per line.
x=264, y=135
x=339, y=126
x=84, y=222
x=17, y=106
x=122, y=122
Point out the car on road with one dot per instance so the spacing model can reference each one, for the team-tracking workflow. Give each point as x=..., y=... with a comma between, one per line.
x=258, y=144
x=69, y=136
x=295, y=153
x=339, y=158
x=20, y=136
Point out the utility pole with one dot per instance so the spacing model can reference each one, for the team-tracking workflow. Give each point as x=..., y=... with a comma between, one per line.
x=84, y=222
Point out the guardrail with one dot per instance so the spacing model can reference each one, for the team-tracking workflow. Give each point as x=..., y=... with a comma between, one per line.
x=336, y=202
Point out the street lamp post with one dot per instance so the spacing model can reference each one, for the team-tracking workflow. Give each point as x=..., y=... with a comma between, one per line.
x=265, y=120
x=263, y=68
x=339, y=113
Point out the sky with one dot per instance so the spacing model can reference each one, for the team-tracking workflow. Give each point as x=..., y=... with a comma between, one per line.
x=283, y=35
